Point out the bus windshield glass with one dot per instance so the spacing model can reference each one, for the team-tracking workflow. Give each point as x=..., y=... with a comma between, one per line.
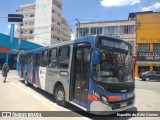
x=115, y=66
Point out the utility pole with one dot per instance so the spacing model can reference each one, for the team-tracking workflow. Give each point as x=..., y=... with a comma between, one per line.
x=19, y=46
x=78, y=28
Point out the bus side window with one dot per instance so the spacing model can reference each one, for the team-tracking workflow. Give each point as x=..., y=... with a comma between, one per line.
x=37, y=59
x=63, y=57
x=52, y=60
x=20, y=60
x=28, y=59
x=44, y=59
x=31, y=60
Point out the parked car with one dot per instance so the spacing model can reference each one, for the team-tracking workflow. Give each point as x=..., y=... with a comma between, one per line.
x=150, y=75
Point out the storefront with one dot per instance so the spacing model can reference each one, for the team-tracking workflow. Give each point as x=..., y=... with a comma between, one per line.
x=148, y=61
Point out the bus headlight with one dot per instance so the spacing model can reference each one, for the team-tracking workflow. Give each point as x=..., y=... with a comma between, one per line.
x=104, y=99
x=97, y=95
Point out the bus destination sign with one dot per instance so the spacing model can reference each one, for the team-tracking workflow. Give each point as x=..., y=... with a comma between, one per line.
x=114, y=43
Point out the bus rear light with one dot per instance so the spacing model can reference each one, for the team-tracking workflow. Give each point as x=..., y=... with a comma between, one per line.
x=114, y=98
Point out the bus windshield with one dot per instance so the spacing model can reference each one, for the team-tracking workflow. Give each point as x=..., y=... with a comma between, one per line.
x=115, y=66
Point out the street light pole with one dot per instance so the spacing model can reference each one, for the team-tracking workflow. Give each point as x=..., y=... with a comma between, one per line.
x=78, y=29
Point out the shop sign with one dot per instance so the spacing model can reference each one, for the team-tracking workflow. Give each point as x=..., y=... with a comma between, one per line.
x=148, y=56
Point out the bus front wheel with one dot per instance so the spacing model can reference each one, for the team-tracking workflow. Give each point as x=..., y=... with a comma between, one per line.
x=60, y=96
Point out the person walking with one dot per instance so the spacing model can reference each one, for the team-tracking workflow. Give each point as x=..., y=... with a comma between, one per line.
x=5, y=70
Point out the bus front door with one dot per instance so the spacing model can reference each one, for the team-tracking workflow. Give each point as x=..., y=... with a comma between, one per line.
x=81, y=75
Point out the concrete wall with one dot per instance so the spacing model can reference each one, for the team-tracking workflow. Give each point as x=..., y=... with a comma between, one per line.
x=43, y=17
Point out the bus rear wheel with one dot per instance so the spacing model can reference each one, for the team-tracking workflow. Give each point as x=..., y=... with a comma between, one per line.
x=60, y=96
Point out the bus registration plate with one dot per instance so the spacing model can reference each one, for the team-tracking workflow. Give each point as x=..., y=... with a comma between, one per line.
x=124, y=104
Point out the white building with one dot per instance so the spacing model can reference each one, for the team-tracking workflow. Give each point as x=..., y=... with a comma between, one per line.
x=43, y=22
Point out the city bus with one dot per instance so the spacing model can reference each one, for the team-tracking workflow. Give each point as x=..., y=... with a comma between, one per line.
x=94, y=73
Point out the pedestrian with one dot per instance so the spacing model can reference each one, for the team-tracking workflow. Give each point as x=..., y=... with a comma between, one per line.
x=5, y=70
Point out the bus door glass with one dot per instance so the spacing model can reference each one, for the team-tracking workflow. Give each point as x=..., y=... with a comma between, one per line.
x=36, y=68
x=81, y=75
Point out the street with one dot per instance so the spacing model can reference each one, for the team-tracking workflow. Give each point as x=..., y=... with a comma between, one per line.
x=15, y=96
x=145, y=85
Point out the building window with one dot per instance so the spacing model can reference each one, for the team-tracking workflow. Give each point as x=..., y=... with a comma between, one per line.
x=52, y=11
x=59, y=15
x=95, y=31
x=31, y=15
x=143, y=48
x=58, y=23
x=52, y=28
x=63, y=57
x=52, y=20
x=111, y=30
x=156, y=47
x=31, y=31
x=83, y=32
x=21, y=24
x=128, y=29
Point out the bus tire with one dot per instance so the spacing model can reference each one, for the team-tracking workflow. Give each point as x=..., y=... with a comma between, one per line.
x=26, y=80
x=60, y=96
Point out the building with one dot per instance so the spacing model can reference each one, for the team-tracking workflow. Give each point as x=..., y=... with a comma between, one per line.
x=9, y=49
x=148, y=42
x=124, y=29
x=43, y=22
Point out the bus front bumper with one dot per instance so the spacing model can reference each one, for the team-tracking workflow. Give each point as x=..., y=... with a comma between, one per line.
x=100, y=108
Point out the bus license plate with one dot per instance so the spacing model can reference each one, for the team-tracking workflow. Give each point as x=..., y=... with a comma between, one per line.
x=123, y=104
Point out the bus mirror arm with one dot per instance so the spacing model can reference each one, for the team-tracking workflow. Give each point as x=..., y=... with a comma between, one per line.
x=95, y=56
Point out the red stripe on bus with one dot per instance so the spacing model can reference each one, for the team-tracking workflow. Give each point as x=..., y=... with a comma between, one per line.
x=92, y=97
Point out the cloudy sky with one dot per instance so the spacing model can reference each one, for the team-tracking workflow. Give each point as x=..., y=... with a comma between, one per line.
x=85, y=10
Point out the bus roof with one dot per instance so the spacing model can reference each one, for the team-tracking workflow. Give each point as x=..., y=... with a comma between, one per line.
x=90, y=39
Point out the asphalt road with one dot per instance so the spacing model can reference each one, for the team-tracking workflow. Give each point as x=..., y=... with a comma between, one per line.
x=148, y=85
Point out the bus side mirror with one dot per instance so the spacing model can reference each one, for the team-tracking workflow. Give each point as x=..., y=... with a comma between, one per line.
x=95, y=57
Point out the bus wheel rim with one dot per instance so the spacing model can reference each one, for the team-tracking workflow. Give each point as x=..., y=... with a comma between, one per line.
x=60, y=95
x=147, y=79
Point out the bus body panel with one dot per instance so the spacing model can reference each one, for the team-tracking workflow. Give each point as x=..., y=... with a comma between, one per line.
x=42, y=77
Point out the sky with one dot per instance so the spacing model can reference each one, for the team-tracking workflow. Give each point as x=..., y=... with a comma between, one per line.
x=84, y=10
